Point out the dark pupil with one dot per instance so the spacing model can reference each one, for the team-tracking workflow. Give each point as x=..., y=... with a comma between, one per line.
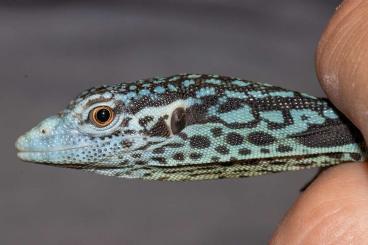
x=103, y=115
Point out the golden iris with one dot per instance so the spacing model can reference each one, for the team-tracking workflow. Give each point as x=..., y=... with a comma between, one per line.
x=102, y=116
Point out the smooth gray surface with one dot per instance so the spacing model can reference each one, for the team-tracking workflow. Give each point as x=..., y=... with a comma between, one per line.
x=48, y=54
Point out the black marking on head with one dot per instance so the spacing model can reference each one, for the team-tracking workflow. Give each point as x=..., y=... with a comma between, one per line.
x=286, y=103
x=261, y=138
x=159, y=129
x=284, y=148
x=105, y=137
x=119, y=107
x=146, y=101
x=200, y=142
x=129, y=132
x=195, y=155
x=116, y=132
x=144, y=147
x=173, y=145
x=179, y=156
x=244, y=151
x=145, y=120
x=222, y=150
x=136, y=155
x=178, y=120
x=161, y=160
x=159, y=150
x=196, y=114
x=126, y=143
x=251, y=124
x=94, y=101
x=210, y=100
x=234, y=139
x=230, y=105
x=216, y=132
x=125, y=122
x=183, y=136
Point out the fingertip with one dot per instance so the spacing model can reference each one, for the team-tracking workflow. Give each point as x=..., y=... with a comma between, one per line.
x=331, y=211
x=342, y=61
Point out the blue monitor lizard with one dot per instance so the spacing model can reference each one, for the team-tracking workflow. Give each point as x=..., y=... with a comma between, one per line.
x=193, y=127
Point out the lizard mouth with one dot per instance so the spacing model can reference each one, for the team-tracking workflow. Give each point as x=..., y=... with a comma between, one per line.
x=24, y=150
x=46, y=155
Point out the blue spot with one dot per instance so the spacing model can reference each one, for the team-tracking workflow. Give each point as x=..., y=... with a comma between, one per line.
x=173, y=79
x=212, y=111
x=193, y=76
x=172, y=87
x=240, y=83
x=273, y=116
x=159, y=90
x=129, y=96
x=133, y=87
x=238, y=95
x=242, y=115
x=308, y=96
x=205, y=92
x=330, y=114
x=257, y=94
x=187, y=83
x=306, y=116
x=144, y=92
x=283, y=94
x=214, y=81
x=158, y=80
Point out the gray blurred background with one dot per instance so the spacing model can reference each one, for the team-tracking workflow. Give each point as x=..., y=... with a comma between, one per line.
x=49, y=52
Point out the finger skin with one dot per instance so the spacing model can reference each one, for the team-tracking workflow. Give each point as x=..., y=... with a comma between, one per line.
x=334, y=209
x=342, y=61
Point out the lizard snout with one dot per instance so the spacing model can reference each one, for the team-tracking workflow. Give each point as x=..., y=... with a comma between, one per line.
x=35, y=139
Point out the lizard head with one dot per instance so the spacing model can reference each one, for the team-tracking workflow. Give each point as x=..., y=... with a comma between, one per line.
x=126, y=129
x=91, y=130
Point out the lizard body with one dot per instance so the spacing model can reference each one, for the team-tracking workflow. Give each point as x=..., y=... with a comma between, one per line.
x=193, y=127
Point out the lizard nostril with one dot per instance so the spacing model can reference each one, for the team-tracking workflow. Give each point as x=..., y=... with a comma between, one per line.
x=43, y=131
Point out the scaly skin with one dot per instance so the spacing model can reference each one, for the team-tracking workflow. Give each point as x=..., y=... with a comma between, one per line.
x=194, y=127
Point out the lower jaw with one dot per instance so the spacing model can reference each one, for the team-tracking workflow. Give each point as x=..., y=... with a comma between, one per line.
x=40, y=157
x=45, y=159
x=33, y=156
x=55, y=155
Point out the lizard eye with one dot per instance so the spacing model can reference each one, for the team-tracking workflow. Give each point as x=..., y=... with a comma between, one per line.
x=102, y=116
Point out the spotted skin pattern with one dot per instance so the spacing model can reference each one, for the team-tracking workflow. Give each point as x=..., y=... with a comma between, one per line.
x=194, y=127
